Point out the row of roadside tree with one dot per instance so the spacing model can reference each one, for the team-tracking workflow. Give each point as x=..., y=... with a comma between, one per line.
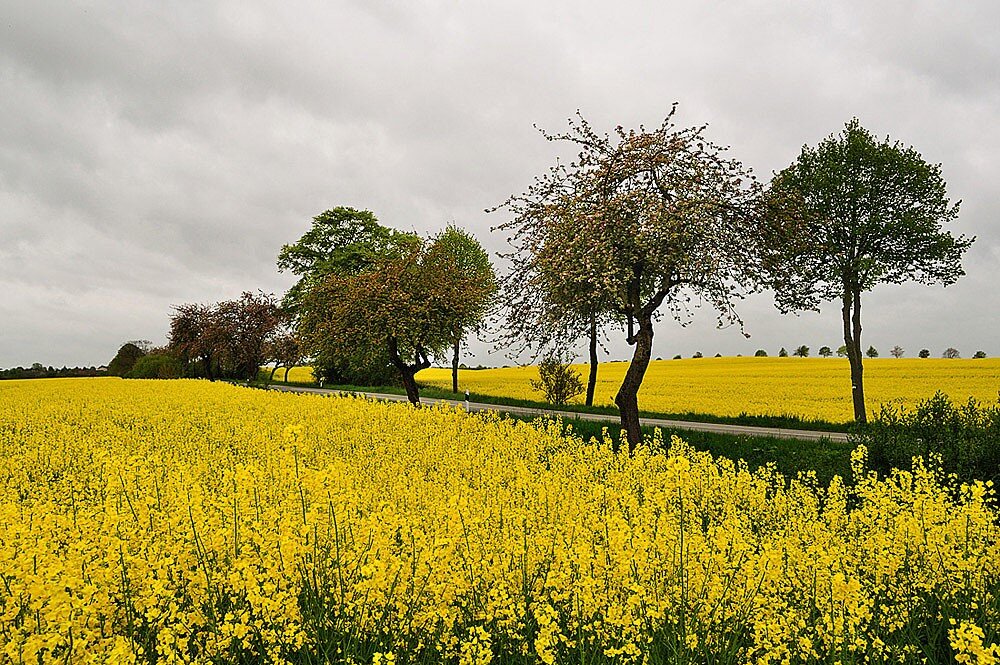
x=641, y=225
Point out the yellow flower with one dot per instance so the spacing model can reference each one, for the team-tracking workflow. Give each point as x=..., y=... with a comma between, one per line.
x=967, y=641
x=181, y=507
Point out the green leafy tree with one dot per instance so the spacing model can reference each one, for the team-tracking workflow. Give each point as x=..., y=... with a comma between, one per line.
x=125, y=359
x=342, y=242
x=825, y=351
x=462, y=253
x=641, y=219
x=872, y=352
x=924, y=353
x=782, y=353
x=801, y=352
x=406, y=305
x=760, y=353
x=978, y=355
x=854, y=213
x=157, y=366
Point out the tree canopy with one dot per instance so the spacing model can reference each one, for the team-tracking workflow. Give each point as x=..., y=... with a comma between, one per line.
x=196, y=337
x=341, y=241
x=226, y=339
x=461, y=252
x=408, y=304
x=248, y=324
x=639, y=220
x=125, y=359
x=853, y=213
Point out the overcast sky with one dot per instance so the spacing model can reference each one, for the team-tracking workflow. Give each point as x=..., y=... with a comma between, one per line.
x=158, y=153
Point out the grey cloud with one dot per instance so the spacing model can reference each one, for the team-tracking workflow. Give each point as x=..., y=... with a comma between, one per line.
x=154, y=153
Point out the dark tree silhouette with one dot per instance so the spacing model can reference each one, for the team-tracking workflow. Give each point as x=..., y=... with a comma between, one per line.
x=125, y=359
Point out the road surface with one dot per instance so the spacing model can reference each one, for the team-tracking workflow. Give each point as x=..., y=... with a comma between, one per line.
x=719, y=428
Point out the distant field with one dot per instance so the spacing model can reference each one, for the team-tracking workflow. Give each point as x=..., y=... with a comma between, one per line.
x=809, y=388
x=296, y=375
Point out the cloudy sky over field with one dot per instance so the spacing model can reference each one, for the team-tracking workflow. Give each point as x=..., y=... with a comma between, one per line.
x=159, y=153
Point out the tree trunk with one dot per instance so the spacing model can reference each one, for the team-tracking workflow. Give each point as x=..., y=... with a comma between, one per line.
x=851, y=313
x=410, y=384
x=274, y=370
x=287, y=369
x=408, y=372
x=454, y=366
x=627, y=398
x=592, y=379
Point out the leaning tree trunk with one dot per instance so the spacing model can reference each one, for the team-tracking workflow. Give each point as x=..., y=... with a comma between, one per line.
x=287, y=369
x=627, y=398
x=851, y=314
x=410, y=384
x=592, y=379
x=407, y=372
x=454, y=366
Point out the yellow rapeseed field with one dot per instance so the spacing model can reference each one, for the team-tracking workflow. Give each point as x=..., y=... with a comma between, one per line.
x=299, y=374
x=808, y=388
x=186, y=521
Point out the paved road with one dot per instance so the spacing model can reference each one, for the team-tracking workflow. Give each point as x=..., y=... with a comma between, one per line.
x=719, y=428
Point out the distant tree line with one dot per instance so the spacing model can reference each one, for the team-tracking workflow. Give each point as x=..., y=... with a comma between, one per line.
x=896, y=352
x=39, y=371
x=230, y=339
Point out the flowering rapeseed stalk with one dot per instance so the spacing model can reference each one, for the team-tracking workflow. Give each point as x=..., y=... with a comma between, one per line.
x=185, y=521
